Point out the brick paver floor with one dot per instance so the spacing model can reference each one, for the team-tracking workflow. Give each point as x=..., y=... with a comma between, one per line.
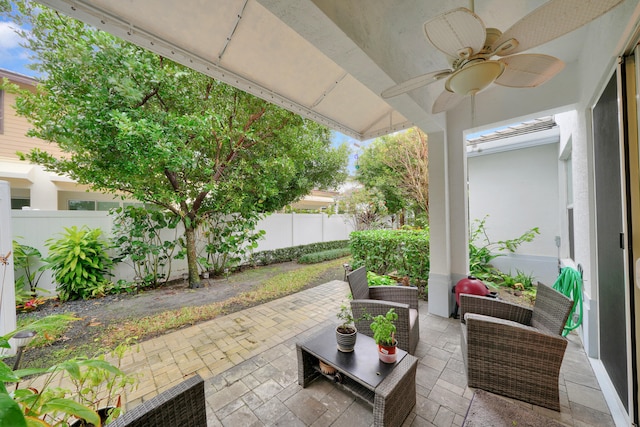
x=248, y=360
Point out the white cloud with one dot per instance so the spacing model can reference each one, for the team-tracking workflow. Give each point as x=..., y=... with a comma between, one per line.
x=8, y=38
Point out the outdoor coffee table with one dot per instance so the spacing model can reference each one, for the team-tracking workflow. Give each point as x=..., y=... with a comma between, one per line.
x=389, y=387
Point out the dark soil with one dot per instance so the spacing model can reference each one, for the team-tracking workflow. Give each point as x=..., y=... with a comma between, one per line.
x=96, y=315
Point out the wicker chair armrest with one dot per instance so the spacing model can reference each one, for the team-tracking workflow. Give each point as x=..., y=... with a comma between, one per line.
x=507, y=341
x=182, y=405
x=400, y=294
x=494, y=308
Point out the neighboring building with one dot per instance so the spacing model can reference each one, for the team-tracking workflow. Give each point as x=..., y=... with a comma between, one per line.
x=515, y=184
x=317, y=200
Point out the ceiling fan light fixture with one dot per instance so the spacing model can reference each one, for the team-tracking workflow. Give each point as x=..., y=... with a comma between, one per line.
x=474, y=77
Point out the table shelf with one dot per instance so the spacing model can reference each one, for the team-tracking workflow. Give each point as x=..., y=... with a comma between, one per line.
x=348, y=384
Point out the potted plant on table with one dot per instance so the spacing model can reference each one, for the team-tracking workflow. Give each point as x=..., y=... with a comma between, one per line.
x=346, y=332
x=384, y=335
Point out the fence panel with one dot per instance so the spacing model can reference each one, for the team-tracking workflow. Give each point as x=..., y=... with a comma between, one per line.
x=34, y=228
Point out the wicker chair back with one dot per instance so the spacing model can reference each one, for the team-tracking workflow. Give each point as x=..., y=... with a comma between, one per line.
x=358, y=283
x=551, y=310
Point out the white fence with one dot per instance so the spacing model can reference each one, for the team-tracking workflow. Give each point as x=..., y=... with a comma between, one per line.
x=33, y=228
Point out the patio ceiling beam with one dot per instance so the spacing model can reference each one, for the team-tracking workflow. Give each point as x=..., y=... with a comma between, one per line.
x=235, y=27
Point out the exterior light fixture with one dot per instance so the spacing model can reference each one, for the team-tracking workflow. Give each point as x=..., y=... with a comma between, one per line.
x=21, y=340
x=347, y=270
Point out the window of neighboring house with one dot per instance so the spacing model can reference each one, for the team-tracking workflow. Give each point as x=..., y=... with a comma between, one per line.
x=105, y=206
x=19, y=202
x=1, y=112
x=81, y=205
x=91, y=205
x=137, y=205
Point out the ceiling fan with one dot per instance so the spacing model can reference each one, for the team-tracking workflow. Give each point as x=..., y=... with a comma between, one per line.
x=470, y=48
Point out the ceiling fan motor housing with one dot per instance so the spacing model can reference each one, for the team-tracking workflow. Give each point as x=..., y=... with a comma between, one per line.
x=474, y=76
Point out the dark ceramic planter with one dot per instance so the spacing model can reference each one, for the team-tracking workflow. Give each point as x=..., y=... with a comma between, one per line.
x=346, y=342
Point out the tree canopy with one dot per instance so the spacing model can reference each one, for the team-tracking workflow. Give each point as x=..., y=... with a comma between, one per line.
x=132, y=122
x=397, y=167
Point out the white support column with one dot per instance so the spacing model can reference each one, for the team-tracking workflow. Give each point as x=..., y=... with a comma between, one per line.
x=8, y=303
x=439, y=236
x=448, y=214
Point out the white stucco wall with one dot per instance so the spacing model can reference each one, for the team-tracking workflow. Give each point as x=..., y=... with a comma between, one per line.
x=517, y=190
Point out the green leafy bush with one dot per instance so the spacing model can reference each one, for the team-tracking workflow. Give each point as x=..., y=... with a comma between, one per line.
x=294, y=252
x=28, y=266
x=316, y=257
x=228, y=240
x=139, y=239
x=405, y=252
x=44, y=400
x=374, y=279
x=79, y=262
x=482, y=251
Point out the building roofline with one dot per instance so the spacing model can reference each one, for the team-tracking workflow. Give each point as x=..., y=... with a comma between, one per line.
x=17, y=77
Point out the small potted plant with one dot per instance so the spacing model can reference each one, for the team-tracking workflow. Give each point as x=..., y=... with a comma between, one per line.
x=346, y=332
x=384, y=335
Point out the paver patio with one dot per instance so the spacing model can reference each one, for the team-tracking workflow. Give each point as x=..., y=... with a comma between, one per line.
x=248, y=360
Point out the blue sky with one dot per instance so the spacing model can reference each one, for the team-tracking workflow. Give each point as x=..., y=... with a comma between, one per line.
x=12, y=56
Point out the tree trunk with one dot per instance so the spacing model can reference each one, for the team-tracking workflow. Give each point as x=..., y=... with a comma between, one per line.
x=192, y=260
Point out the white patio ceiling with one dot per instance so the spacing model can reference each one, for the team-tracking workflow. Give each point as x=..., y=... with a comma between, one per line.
x=329, y=59
x=242, y=43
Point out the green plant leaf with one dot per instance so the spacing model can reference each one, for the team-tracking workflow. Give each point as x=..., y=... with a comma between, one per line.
x=71, y=407
x=10, y=412
x=7, y=374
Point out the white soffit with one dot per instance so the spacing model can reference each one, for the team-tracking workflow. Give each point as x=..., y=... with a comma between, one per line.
x=243, y=44
x=16, y=171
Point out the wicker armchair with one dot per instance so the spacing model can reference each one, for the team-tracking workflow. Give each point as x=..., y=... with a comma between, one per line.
x=182, y=405
x=513, y=350
x=378, y=300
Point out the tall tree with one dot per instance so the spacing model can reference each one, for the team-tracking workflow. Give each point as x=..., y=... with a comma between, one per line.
x=135, y=123
x=397, y=166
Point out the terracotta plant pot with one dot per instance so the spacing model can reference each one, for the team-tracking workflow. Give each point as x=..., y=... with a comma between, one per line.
x=346, y=341
x=387, y=353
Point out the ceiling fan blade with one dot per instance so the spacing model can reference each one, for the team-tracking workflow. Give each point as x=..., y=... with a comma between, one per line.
x=456, y=30
x=552, y=20
x=446, y=101
x=414, y=83
x=528, y=70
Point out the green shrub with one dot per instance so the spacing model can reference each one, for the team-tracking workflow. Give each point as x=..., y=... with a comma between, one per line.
x=374, y=279
x=483, y=251
x=79, y=262
x=316, y=257
x=294, y=252
x=27, y=262
x=405, y=252
x=228, y=240
x=138, y=236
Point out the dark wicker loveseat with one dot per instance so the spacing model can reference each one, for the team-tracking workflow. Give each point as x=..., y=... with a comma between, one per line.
x=376, y=300
x=513, y=350
x=182, y=405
